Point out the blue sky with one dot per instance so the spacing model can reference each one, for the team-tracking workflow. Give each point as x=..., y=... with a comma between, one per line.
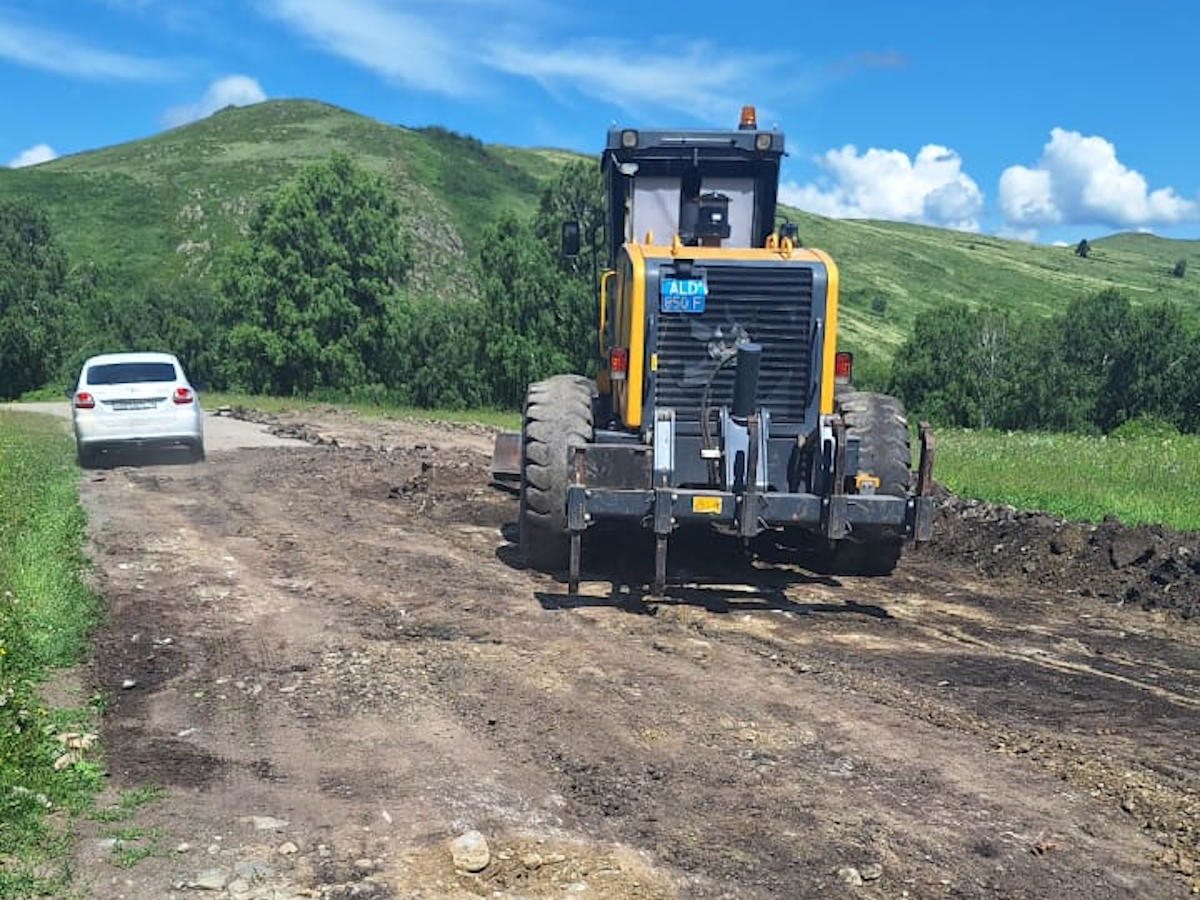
x=1045, y=121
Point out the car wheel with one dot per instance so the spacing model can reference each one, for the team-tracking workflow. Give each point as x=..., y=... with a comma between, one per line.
x=198, y=452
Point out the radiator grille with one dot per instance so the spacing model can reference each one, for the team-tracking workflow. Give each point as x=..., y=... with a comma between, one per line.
x=774, y=307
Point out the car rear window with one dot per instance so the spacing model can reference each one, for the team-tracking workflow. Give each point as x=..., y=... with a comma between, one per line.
x=130, y=373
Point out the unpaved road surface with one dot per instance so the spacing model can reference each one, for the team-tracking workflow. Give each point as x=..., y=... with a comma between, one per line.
x=340, y=641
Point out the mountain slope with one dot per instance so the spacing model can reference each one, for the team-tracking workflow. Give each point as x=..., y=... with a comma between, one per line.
x=167, y=204
x=903, y=269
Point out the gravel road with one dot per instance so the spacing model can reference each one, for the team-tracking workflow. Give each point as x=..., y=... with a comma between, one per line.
x=339, y=666
x=220, y=432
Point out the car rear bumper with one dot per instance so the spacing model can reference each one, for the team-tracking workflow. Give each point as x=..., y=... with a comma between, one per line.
x=97, y=432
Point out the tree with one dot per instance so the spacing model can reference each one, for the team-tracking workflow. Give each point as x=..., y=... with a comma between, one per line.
x=1149, y=371
x=1180, y=268
x=33, y=275
x=531, y=311
x=1094, y=331
x=308, y=297
x=1082, y=249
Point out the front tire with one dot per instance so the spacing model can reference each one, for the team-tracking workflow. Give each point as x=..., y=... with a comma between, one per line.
x=558, y=416
x=881, y=426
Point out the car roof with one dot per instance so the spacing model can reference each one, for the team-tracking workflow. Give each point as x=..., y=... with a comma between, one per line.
x=109, y=358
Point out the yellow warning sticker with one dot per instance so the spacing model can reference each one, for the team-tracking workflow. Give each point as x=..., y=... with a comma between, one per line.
x=707, y=505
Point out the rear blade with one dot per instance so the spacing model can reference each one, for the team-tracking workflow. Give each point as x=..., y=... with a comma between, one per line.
x=506, y=457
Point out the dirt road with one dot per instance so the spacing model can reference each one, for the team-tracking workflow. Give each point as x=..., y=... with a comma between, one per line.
x=339, y=665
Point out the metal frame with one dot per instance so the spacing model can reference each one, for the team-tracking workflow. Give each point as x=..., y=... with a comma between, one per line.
x=834, y=515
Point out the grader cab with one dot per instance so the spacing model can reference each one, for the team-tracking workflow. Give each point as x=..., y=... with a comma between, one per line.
x=721, y=396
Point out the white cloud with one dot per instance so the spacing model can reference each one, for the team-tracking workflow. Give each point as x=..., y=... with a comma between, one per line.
x=885, y=184
x=64, y=55
x=397, y=45
x=232, y=90
x=696, y=79
x=1079, y=180
x=39, y=153
x=460, y=47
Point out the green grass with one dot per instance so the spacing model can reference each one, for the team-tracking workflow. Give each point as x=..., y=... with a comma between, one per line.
x=46, y=610
x=497, y=418
x=127, y=805
x=1144, y=480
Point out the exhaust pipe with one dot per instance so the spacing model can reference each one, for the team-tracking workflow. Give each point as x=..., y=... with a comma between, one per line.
x=745, y=384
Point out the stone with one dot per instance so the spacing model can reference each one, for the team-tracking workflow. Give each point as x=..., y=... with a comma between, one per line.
x=252, y=870
x=209, y=880
x=364, y=865
x=266, y=823
x=532, y=861
x=871, y=872
x=287, y=848
x=183, y=848
x=239, y=886
x=128, y=684
x=471, y=852
x=1130, y=549
x=849, y=875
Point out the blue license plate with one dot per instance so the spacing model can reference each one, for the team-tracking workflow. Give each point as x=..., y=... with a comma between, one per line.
x=683, y=295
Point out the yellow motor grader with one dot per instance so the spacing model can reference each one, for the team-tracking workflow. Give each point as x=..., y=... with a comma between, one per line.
x=721, y=395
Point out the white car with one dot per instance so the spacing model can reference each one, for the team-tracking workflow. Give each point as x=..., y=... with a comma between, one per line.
x=125, y=400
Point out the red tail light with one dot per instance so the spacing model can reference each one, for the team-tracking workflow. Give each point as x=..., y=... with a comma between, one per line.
x=182, y=395
x=843, y=363
x=84, y=400
x=618, y=363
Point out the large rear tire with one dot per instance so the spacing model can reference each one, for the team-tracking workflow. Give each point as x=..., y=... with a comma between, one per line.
x=880, y=424
x=558, y=416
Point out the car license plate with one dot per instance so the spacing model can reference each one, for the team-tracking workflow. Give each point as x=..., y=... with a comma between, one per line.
x=134, y=404
x=683, y=295
x=708, y=506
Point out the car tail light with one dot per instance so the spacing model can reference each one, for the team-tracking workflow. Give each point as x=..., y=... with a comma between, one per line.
x=843, y=363
x=84, y=400
x=182, y=395
x=618, y=363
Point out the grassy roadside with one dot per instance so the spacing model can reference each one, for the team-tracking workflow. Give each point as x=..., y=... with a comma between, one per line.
x=498, y=418
x=1140, y=480
x=47, y=774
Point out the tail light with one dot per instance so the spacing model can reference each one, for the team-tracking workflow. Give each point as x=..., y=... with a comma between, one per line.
x=618, y=363
x=84, y=400
x=182, y=395
x=843, y=363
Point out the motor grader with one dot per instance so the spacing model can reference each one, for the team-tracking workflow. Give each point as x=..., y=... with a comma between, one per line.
x=721, y=396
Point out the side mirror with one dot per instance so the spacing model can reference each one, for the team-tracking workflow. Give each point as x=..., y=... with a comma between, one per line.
x=789, y=230
x=570, y=238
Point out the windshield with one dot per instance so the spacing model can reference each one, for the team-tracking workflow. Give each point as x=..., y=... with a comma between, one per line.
x=130, y=373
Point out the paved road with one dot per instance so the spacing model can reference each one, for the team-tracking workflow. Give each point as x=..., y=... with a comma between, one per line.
x=220, y=433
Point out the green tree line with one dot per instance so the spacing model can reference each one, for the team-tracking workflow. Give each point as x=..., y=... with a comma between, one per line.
x=315, y=299
x=1101, y=364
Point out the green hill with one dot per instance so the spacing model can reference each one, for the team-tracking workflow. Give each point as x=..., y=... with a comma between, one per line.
x=903, y=269
x=166, y=205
